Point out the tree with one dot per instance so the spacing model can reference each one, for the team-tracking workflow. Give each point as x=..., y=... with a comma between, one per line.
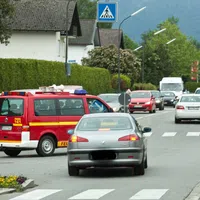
x=168, y=60
x=129, y=43
x=6, y=13
x=88, y=10
x=107, y=57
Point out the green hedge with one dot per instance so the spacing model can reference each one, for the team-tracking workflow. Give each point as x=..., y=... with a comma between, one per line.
x=31, y=74
x=191, y=86
x=125, y=82
x=144, y=86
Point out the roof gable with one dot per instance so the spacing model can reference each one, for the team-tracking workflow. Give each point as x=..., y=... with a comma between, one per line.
x=111, y=37
x=45, y=15
x=89, y=33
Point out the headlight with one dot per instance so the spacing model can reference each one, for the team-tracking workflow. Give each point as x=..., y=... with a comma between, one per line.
x=157, y=101
x=172, y=100
x=148, y=102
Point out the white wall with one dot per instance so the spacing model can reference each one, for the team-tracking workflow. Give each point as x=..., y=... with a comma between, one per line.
x=33, y=45
x=78, y=52
x=42, y=46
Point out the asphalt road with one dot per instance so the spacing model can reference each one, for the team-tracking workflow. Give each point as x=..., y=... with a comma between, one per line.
x=173, y=170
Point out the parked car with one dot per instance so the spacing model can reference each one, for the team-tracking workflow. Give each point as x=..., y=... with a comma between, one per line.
x=142, y=100
x=188, y=108
x=112, y=99
x=159, y=99
x=170, y=99
x=107, y=140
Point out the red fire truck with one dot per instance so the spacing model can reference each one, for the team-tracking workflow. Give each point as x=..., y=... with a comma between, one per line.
x=40, y=120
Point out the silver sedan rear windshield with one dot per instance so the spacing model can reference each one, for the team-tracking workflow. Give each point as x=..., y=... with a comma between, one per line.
x=191, y=99
x=102, y=123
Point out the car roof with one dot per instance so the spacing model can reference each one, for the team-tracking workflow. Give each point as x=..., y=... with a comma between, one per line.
x=106, y=115
x=189, y=95
x=141, y=91
x=109, y=94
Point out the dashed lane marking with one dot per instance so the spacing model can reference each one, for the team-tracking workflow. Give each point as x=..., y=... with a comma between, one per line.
x=193, y=134
x=169, y=134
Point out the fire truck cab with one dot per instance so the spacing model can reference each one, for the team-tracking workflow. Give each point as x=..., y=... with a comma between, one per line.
x=40, y=120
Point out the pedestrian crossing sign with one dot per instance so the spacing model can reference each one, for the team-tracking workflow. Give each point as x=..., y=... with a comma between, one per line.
x=107, y=12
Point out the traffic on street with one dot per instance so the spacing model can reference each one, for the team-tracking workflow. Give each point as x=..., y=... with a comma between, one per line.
x=171, y=154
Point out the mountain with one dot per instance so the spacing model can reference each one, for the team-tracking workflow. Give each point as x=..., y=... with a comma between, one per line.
x=157, y=11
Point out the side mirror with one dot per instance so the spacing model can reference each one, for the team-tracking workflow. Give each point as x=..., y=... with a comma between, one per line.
x=70, y=131
x=146, y=130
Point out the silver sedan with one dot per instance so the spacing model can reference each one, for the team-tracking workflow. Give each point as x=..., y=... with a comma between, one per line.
x=107, y=140
x=187, y=108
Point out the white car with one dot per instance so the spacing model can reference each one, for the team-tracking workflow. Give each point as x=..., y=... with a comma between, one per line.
x=188, y=108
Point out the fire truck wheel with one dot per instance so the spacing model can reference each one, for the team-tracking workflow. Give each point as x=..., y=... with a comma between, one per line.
x=12, y=152
x=46, y=146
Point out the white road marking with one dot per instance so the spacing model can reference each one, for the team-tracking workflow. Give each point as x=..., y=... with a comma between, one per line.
x=151, y=115
x=36, y=194
x=193, y=134
x=149, y=194
x=92, y=194
x=147, y=134
x=169, y=134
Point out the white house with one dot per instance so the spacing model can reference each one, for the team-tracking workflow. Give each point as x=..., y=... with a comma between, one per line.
x=38, y=29
x=79, y=47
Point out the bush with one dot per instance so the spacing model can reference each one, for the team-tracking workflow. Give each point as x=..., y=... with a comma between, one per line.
x=31, y=74
x=12, y=182
x=125, y=82
x=144, y=86
x=191, y=86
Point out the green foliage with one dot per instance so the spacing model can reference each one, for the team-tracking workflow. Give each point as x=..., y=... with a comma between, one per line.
x=129, y=43
x=87, y=9
x=31, y=74
x=6, y=13
x=192, y=86
x=125, y=82
x=173, y=59
x=107, y=57
x=144, y=86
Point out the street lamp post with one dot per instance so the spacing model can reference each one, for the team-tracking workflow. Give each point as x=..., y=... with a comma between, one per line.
x=67, y=27
x=135, y=13
x=143, y=53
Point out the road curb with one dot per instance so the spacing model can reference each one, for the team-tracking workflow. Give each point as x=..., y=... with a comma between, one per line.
x=194, y=194
x=26, y=185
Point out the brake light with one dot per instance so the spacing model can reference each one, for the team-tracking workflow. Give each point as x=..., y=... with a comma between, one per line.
x=131, y=137
x=180, y=107
x=74, y=139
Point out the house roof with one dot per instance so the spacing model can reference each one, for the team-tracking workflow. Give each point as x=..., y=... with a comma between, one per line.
x=46, y=15
x=111, y=37
x=90, y=33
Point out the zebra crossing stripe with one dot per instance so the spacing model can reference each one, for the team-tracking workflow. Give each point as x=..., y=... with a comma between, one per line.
x=149, y=194
x=193, y=134
x=36, y=194
x=169, y=134
x=92, y=194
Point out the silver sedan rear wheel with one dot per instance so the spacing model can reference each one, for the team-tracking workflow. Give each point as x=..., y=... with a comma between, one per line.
x=140, y=169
